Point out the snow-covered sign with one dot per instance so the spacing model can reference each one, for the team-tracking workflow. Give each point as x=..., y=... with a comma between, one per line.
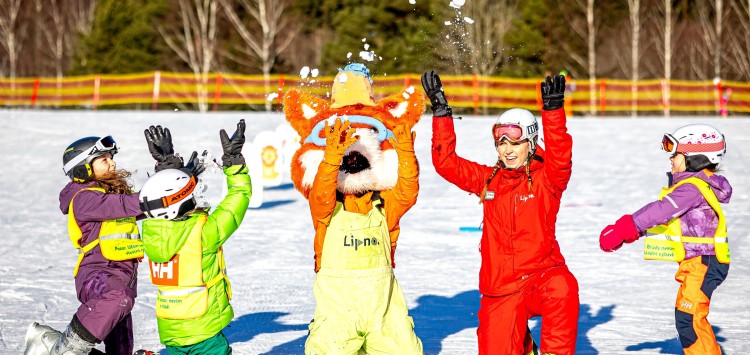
x=267, y=146
x=290, y=142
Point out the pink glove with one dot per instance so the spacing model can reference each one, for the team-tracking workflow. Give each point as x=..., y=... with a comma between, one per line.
x=623, y=231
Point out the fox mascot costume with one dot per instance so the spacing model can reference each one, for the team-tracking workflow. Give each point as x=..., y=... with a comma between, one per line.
x=358, y=170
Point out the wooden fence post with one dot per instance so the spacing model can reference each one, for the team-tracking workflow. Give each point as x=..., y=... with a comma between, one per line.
x=217, y=91
x=603, y=96
x=157, y=86
x=475, y=94
x=97, y=82
x=35, y=92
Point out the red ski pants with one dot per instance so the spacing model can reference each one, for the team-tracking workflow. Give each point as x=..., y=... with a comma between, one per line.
x=551, y=294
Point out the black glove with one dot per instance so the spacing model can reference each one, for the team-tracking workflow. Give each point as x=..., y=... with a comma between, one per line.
x=159, y=142
x=233, y=146
x=194, y=165
x=553, y=93
x=434, y=89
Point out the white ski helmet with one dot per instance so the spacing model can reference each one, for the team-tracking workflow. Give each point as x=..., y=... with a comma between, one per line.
x=703, y=145
x=517, y=124
x=168, y=194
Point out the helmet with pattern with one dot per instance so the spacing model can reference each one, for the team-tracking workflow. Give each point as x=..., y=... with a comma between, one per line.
x=702, y=145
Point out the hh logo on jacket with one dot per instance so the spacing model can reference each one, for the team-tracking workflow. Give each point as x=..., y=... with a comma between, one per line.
x=167, y=273
x=351, y=241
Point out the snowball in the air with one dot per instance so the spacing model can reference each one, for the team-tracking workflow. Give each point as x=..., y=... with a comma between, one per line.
x=368, y=56
x=304, y=72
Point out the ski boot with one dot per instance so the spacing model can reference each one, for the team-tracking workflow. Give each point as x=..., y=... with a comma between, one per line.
x=40, y=339
x=72, y=341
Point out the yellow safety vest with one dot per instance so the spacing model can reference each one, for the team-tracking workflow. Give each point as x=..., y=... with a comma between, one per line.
x=665, y=241
x=118, y=238
x=182, y=292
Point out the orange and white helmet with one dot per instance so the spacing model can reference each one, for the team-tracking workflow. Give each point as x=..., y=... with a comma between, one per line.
x=168, y=194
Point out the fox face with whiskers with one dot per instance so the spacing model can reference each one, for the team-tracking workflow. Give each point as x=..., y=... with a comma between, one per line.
x=370, y=164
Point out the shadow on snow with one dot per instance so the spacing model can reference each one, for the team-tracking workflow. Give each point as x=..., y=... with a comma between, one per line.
x=248, y=326
x=435, y=319
x=272, y=204
x=586, y=322
x=672, y=346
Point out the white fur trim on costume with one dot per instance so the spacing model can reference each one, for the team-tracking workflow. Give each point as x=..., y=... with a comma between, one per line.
x=310, y=161
x=399, y=110
x=383, y=171
x=382, y=174
x=308, y=112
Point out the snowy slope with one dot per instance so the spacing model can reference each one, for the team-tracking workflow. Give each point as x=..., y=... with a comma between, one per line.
x=626, y=302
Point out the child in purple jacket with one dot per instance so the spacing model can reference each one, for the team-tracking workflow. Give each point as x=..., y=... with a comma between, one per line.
x=686, y=225
x=102, y=211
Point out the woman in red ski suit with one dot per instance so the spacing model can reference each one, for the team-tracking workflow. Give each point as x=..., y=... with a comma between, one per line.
x=523, y=272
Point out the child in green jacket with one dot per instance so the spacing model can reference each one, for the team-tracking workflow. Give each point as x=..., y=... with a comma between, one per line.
x=184, y=244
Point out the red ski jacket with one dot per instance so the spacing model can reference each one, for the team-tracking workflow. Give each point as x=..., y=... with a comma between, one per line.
x=518, y=234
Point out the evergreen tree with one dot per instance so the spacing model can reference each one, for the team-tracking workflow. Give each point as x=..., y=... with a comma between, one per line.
x=404, y=35
x=123, y=38
x=529, y=40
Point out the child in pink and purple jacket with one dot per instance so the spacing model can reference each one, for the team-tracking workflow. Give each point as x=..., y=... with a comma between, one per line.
x=688, y=222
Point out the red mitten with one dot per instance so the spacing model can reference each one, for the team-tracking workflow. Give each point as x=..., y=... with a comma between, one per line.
x=614, y=235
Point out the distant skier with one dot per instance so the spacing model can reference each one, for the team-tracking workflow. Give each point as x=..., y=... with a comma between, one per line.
x=686, y=225
x=724, y=102
x=184, y=245
x=523, y=272
x=102, y=210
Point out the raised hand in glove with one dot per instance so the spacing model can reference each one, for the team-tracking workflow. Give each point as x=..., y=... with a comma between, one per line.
x=195, y=165
x=159, y=142
x=553, y=93
x=434, y=88
x=614, y=235
x=403, y=139
x=339, y=138
x=233, y=146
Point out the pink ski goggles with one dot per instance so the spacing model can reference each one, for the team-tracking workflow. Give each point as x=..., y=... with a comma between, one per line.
x=513, y=132
x=670, y=145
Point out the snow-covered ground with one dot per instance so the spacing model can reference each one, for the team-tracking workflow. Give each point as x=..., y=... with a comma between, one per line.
x=627, y=304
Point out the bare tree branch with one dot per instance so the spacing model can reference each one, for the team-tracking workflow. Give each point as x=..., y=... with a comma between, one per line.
x=195, y=43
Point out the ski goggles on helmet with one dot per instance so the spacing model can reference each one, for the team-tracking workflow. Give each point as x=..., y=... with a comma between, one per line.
x=512, y=131
x=317, y=137
x=103, y=145
x=173, y=199
x=671, y=145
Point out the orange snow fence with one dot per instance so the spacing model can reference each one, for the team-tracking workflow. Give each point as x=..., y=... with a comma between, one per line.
x=476, y=93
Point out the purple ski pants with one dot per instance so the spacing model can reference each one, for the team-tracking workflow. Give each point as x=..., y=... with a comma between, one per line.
x=107, y=298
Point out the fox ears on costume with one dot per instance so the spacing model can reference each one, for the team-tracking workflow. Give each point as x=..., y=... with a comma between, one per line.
x=304, y=111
